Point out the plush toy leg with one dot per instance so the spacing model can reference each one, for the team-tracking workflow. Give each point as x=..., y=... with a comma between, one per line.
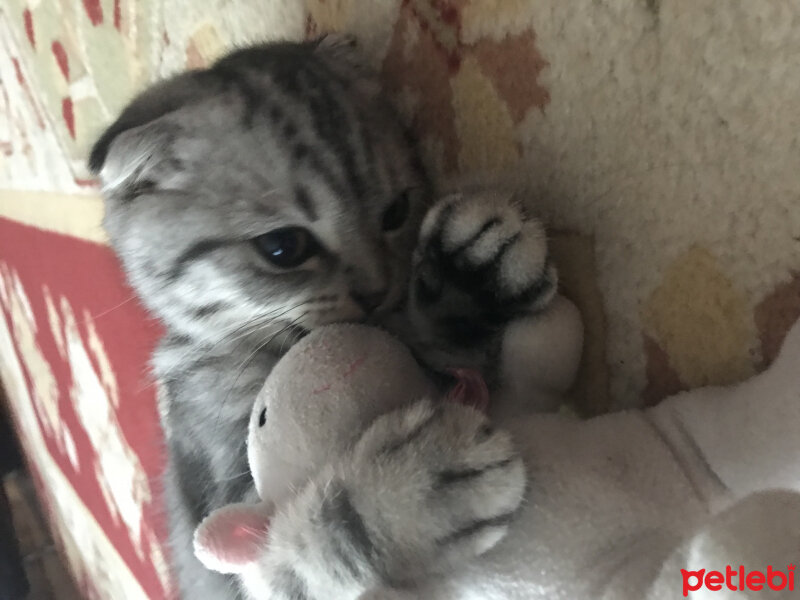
x=540, y=356
x=744, y=438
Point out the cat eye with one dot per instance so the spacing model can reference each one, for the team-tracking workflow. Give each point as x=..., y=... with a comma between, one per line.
x=397, y=212
x=262, y=418
x=287, y=247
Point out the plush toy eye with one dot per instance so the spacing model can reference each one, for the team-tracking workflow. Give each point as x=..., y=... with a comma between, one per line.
x=262, y=417
x=287, y=247
x=397, y=212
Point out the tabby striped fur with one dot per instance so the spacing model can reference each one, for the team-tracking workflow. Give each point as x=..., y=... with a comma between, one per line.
x=274, y=136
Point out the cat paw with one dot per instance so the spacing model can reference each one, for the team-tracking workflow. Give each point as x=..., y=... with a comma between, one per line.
x=443, y=485
x=479, y=264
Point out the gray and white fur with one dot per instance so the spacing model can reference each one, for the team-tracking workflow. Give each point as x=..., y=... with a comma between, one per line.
x=199, y=173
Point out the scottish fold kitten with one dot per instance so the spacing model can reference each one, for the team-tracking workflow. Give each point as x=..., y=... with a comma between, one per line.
x=269, y=194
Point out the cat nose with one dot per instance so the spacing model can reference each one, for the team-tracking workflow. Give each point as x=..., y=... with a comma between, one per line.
x=369, y=301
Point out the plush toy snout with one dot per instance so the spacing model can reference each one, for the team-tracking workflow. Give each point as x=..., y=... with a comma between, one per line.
x=321, y=396
x=317, y=401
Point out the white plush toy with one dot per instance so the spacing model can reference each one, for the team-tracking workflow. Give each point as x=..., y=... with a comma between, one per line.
x=369, y=493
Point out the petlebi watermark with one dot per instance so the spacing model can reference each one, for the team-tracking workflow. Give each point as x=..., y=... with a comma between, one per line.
x=738, y=579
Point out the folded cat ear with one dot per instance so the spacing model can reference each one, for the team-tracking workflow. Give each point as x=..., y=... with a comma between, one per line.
x=142, y=160
x=344, y=51
x=232, y=537
x=339, y=45
x=155, y=102
x=146, y=148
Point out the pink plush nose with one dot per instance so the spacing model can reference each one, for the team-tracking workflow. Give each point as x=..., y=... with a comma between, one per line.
x=470, y=389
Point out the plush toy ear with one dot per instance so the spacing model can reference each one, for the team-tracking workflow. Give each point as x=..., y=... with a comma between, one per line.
x=232, y=537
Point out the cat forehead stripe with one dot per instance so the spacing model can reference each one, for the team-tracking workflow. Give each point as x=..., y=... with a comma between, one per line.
x=305, y=202
x=194, y=252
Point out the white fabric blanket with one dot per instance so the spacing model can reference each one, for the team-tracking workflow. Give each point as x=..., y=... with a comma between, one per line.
x=619, y=505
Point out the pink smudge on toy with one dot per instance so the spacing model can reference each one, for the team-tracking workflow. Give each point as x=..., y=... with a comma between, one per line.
x=470, y=389
x=352, y=368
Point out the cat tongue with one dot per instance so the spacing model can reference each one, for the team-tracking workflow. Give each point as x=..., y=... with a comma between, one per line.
x=470, y=389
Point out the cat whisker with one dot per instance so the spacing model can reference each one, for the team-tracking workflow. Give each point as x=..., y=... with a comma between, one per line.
x=258, y=323
x=248, y=328
x=233, y=477
x=293, y=335
x=270, y=315
x=250, y=358
x=113, y=308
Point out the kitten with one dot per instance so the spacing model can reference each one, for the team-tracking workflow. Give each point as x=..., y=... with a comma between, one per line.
x=271, y=193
